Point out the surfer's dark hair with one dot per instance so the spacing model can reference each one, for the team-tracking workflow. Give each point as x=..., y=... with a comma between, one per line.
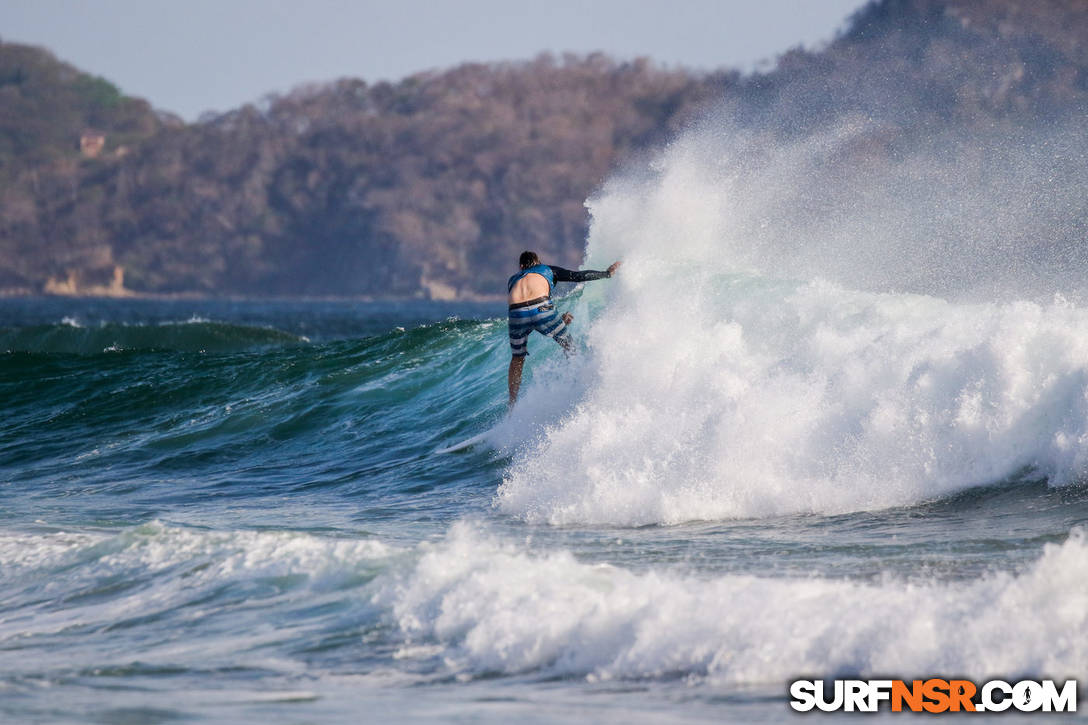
x=528, y=259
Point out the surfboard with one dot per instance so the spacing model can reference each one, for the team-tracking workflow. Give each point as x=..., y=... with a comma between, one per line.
x=465, y=444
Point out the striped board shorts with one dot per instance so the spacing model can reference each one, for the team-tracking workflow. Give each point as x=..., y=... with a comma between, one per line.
x=539, y=315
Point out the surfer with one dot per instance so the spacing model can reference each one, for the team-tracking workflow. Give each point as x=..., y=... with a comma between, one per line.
x=529, y=294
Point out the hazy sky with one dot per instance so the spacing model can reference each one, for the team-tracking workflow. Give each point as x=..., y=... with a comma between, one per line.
x=191, y=56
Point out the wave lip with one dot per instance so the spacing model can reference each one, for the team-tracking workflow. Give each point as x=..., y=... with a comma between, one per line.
x=487, y=607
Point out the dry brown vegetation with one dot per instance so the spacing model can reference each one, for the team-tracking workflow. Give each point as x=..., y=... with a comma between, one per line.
x=431, y=186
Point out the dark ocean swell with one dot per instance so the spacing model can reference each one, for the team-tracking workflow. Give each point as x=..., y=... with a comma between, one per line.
x=130, y=416
x=197, y=336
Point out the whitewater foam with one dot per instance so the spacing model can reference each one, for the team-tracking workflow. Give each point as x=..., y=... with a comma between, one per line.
x=717, y=386
x=487, y=606
x=817, y=399
x=157, y=569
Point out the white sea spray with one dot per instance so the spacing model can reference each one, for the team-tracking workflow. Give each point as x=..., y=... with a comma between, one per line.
x=772, y=346
x=486, y=605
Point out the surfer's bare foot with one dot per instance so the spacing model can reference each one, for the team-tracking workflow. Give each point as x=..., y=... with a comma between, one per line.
x=567, y=318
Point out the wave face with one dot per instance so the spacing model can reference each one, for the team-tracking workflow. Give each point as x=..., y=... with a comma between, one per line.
x=749, y=363
x=239, y=412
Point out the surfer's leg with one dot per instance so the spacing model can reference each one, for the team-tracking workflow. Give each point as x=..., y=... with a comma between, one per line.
x=519, y=348
x=566, y=342
x=563, y=336
x=513, y=376
x=556, y=329
x=519, y=337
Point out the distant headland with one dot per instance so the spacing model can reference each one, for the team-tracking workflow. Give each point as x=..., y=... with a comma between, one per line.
x=430, y=187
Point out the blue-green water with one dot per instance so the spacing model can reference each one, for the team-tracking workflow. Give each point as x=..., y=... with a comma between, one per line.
x=234, y=512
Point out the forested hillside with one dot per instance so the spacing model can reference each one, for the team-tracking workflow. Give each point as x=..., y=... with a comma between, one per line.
x=432, y=185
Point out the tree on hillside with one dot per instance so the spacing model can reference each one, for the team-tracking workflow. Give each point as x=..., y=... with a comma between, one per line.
x=430, y=186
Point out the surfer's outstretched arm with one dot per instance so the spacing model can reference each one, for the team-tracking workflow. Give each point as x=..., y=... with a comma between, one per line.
x=584, y=275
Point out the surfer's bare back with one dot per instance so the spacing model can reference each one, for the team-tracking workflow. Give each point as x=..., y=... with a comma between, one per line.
x=529, y=294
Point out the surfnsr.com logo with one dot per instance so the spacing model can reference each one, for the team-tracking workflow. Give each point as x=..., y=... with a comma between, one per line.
x=933, y=695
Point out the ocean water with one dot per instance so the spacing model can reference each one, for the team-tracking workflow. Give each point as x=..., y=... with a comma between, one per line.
x=236, y=512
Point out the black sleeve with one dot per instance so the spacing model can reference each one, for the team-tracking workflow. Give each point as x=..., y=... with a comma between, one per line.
x=585, y=275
